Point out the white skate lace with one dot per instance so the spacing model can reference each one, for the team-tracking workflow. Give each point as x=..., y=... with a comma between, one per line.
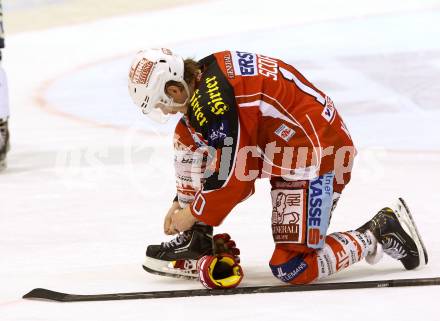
x=178, y=240
x=394, y=249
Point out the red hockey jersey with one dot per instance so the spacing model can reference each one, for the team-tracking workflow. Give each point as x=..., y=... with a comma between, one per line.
x=256, y=116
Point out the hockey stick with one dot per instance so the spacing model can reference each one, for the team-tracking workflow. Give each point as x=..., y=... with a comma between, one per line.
x=46, y=294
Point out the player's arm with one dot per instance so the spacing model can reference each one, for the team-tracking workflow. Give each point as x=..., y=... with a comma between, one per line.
x=217, y=126
x=189, y=165
x=223, y=189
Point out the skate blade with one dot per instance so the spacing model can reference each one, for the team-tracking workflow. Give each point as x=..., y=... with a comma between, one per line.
x=408, y=224
x=165, y=268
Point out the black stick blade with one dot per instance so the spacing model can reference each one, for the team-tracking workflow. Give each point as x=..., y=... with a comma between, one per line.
x=45, y=294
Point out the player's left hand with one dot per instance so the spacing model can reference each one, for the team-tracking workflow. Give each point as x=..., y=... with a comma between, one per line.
x=182, y=219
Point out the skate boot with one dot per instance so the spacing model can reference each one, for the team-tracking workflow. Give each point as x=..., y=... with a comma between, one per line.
x=178, y=257
x=397, y=234
x=4, y=142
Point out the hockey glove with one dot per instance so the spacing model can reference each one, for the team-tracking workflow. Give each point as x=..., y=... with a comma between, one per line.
x=223, y=244
x=219, y=271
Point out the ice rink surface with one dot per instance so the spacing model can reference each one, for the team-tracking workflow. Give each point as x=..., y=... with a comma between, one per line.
x=90, y=179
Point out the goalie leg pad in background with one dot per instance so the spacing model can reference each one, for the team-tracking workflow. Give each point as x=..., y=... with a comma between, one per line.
x=4, y=100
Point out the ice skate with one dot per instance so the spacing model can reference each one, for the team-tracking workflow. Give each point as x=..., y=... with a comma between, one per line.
x=178, y=257
x=397, y=234
x=4, y=143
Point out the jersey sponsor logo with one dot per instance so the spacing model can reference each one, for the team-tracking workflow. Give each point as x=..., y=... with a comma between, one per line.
x=330, y=259
x=341, y=238
x=142, y=72
x=190, y=159
x=183, y=179
x=364, y=240
x=208, y=95
x=322, y=267
x=320, y=195
x=288, y=216
x=197, y=108
x=249, y=64
x=285, y=133
x=245, y=63
x=290, y=184
x=329, y=110
x=290, y=270
x=217, y=133
x=198, y=139
x=229, y=66
x=216, y=103
x=326, y=262
x=342, y=260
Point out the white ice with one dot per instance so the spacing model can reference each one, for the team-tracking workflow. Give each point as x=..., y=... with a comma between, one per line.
x=90, y=178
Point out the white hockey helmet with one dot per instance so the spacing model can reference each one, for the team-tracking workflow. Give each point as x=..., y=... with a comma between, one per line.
x=150, y=71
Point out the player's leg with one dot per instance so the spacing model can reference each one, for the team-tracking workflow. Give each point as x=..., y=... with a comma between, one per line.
x=299, y=259
x=301, y=265
x=4, y=116
x=300, y=218
x=391, y=231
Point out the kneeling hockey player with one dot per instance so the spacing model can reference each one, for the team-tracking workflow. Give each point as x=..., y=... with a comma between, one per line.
x=248, y=116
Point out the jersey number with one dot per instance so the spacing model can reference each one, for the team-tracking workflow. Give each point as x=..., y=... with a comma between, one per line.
x=308, y=90
x=199, y=204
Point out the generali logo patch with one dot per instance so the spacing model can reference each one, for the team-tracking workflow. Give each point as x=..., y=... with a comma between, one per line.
x=141, y=73
x=288, y=216
x=284, y=132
